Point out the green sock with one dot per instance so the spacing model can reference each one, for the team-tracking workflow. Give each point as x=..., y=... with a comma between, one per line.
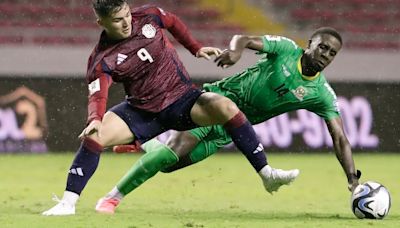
x=157, y=157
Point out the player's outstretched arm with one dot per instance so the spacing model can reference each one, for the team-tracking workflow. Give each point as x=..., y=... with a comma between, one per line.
x=98, y=95
x=178, y=29
x=343, y=151
x=236, y=48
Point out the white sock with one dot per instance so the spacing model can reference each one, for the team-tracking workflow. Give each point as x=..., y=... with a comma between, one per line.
x=71, y=197
x=115, y=193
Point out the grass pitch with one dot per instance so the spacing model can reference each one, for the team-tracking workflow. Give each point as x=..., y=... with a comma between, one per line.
x=223, y=191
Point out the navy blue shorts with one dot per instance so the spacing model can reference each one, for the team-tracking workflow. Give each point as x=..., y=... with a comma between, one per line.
x=147, y=125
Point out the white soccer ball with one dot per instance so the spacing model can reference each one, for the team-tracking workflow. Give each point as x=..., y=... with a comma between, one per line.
x=370, y=200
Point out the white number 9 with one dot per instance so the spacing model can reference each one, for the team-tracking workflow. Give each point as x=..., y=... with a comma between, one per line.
x=145, y=55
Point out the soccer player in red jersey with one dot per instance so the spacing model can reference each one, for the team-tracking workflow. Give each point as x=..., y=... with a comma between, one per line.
x=135, y=51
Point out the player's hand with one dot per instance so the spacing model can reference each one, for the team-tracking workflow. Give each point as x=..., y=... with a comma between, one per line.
x=93, y=127
x=227, y=58
x=206, y=52
x=353, y=182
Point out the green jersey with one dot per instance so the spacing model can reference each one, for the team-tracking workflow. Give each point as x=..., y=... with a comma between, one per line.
x=275, y=85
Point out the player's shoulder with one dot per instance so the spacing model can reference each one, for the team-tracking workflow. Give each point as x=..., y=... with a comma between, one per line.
x=147, y=9
x=92, y=55
x=322, y=78
x=93, y=52
x=284, y=39
x=325, y=88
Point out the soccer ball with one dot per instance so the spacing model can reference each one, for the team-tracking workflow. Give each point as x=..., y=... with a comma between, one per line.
x=370, y=200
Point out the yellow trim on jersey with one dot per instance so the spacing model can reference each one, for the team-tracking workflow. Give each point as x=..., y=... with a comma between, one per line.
x=301, y=72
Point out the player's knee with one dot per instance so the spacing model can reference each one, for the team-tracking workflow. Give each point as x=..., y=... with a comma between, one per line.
x=231, y=107
x=182, y=143
x=222, y=105
x=226, y=109
x=178, y=147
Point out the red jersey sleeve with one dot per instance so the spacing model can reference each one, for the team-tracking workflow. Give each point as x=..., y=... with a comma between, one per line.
x=98, y=94
x=178, y=29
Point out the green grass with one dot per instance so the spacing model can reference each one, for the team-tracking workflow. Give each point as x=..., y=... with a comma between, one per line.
x=222, y=191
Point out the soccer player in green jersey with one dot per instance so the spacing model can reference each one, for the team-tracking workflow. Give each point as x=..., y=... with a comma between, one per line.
x=286, y=78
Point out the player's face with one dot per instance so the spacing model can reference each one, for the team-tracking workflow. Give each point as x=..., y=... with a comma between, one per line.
x=118, y=25
x=322, y=50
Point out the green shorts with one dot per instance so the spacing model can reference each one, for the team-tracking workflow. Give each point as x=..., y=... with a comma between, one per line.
x=214, y=137
x=211, y=139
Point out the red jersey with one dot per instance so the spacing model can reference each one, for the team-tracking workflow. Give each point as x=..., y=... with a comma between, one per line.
x=146, y=63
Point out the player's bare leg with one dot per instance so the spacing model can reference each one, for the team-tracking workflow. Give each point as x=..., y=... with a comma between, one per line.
x=112, y=131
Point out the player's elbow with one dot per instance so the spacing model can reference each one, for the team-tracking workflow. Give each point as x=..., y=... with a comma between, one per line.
x=240, y=38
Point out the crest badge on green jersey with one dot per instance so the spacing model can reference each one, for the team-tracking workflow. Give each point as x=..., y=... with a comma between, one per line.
x=299, y=92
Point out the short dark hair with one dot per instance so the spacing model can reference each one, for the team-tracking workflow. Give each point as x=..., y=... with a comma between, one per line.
x=328, y=30
x=105, y=8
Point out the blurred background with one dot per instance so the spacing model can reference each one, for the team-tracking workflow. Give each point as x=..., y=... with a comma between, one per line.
x=45, y=44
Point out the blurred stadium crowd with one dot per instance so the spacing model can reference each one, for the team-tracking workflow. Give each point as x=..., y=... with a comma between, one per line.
x=366, y=24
